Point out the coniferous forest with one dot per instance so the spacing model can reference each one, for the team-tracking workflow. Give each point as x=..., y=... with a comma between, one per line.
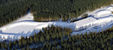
x=54, y=38
x=47, y=10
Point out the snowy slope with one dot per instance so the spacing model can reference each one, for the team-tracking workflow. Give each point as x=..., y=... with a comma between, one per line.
x=104, y=20
x=26, y=27
x=100, y=19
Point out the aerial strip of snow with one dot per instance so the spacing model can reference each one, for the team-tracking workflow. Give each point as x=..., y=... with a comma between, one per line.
x=25, y=27
x=98, y=20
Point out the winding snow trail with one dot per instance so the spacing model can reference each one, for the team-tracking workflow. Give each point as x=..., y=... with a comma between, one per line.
x=98, y=20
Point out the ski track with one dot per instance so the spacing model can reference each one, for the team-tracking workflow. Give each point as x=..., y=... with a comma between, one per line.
x=101, y=19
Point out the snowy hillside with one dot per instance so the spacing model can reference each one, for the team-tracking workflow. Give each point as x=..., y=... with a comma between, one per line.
x=25, y=26
x=98, y=20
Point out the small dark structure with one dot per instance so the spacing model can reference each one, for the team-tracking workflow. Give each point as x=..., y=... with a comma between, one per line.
x=83, y=17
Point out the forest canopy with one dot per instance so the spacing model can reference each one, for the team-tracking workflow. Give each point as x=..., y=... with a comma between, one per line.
x=45, y=10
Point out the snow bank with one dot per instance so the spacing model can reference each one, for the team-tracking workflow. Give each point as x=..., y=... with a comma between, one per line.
x=102, y=14
x=110, y=9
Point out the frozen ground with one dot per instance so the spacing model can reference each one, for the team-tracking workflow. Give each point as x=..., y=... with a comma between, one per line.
x=98, y=20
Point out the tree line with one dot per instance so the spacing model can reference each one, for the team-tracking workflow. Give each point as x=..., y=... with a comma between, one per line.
x=47, y=10
x=55, y=38
x=50, y=34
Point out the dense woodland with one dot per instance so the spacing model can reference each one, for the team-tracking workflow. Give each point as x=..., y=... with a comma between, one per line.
x=47, y=10
x=55, y=38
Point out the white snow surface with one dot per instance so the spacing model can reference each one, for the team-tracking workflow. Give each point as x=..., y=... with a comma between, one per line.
x=100, y=20
x=102, y=13
x=26, y=27
x=84, y=22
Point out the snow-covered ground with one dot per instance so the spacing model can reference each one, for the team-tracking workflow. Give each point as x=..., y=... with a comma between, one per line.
x=26, y=27
x=104, y=20
x=98, y=20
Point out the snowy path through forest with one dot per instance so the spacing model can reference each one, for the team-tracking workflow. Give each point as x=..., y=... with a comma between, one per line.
x=98, y=20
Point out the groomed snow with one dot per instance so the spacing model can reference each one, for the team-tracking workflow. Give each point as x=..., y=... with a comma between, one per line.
x=26, y=27
x=84, y=22
x=102, y=14
x=102, y=19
